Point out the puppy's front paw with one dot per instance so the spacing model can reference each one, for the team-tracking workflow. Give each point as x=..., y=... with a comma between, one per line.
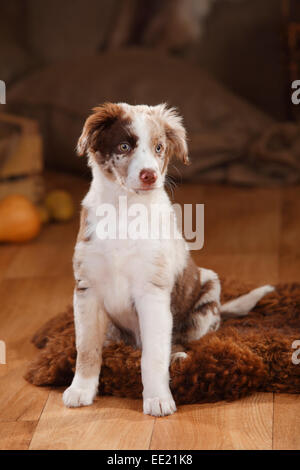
x=74, y=397
x=159, y=406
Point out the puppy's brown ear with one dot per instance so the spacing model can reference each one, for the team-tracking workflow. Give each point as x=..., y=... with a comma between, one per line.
x=103, y=116
x=175, y=133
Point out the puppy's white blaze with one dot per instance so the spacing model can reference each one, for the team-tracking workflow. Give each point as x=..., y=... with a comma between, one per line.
x=144, y=155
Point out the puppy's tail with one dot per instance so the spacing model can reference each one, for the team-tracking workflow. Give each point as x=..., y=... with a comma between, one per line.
x=242, y=305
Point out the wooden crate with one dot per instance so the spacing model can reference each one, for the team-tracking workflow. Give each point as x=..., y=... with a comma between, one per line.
x=21, y=157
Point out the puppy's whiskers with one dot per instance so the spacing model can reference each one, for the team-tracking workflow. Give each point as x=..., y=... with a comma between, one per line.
x=175, y=167
x=170, y=184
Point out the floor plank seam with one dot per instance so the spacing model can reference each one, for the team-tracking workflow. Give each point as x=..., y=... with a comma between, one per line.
x=38, y=420
x=150, y=443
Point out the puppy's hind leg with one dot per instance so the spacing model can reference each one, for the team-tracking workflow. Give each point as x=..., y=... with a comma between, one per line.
x=211, y=287
x=205, y=315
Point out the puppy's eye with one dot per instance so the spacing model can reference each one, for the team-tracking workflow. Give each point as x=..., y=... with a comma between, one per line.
x=158, y=148
x=124, y=147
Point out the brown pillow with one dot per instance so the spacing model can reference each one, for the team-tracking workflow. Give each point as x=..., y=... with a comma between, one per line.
x=220, y=125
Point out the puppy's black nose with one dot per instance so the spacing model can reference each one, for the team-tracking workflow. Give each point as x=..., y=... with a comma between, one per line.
x=148, y=176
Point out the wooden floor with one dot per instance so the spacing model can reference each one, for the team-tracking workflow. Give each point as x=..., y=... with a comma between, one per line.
x=250, y=234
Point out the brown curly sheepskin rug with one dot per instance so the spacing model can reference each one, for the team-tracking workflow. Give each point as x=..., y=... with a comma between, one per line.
x=245, y=355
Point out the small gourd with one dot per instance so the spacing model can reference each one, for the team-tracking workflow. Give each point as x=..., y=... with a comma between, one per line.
x=19, y=219
x=59, y=205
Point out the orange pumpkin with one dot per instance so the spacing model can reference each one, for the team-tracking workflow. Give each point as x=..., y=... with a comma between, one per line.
x=19, y=219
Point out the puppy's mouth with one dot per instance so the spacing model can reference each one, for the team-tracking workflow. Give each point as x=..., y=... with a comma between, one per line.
x=145, y=189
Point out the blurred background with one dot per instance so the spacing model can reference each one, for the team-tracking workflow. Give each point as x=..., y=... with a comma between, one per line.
x=226, y=64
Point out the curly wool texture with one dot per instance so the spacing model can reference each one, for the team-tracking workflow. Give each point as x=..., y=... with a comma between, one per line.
x=245, y=355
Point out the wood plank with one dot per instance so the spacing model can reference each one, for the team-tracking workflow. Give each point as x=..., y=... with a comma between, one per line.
x=16, y=435
x=244, y=424
x=42, y=260
x=286, y=422
x=290, y=227
x=289, y=256
x=249, y=268
x=7, y=253
x=19, y=400
x=289, y=267
x=110, y=423
x=28, y=303
x=25, y=305
x=237, y=220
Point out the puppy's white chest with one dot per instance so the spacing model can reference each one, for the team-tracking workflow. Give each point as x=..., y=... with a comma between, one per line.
x=116, y=275
x=112, y=267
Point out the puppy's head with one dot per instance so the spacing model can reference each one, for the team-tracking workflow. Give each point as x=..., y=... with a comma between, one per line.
x=132, y=145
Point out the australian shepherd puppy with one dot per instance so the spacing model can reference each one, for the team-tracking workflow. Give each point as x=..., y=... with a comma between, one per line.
x=147, y=292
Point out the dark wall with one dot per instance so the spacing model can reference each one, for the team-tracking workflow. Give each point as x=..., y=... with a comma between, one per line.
x=243, y=46
x=242, y=43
